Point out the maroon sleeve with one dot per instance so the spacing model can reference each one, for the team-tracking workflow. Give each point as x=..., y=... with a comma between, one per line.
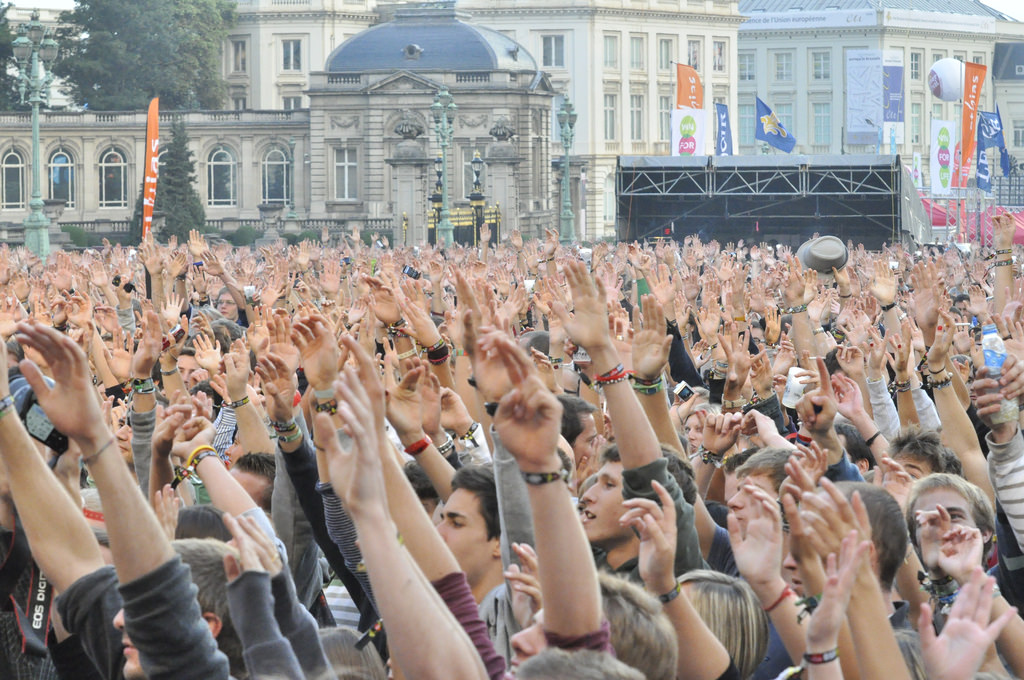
x=598, y=641
x=454, y=590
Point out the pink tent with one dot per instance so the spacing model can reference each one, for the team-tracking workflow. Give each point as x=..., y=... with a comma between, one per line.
x=943, y=213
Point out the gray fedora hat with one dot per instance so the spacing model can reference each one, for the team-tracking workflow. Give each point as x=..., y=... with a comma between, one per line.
x=823, y=253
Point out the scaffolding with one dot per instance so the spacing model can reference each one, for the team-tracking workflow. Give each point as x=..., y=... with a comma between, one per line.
x=869, y=199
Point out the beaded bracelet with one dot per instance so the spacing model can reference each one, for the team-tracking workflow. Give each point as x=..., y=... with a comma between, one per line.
x=648, y=389
x=540, y=478
x=238, y=404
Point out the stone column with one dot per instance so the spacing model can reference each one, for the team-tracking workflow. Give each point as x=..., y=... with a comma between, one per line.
x=408, y=182
x=502, y=164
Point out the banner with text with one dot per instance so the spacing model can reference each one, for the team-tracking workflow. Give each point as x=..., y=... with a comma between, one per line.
x=688, y=126
x=689, y=91
x=974, y=78
x=941, y=162
x=723, y=147
x=874, y=96
x=152, y=168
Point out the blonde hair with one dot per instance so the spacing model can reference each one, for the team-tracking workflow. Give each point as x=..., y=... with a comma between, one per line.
x=641, y=634
x=733, y=613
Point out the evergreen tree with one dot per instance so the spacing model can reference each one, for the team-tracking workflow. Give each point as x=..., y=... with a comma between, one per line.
x=9, y=97
x=176, y=194
x=119, y=54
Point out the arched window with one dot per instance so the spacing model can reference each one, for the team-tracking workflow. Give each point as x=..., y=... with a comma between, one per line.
x=12, y=169
x=277, y=177
x=220, y=178
x=113, y=179
x=62, y=177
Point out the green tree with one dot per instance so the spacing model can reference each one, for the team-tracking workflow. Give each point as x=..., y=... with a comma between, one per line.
x=9, y=97
x=119, y=54
x=176, y=194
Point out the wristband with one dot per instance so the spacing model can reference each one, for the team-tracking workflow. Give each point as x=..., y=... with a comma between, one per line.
x=786, y=592
x=407, y=355
x=671, y=595
x=823, y=657
x=285, y=426
x=238, y=404
x=330, y=407
x=289, y=438
x=190, y=461
x=446, y=448
x=170, y=372
x=733, y=403
x=6, y=404
x=886, y=308
x=324, y=395
x=206, y=453
x=143, y=386
x=418, y=447
x=1004, y=251
x=871, y=440
x=796, y=309
x=541, y=478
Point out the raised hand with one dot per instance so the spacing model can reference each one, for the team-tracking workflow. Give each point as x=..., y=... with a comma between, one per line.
x=318, y=349
x=588, y=325
x=651, y=345
x=279, y=385
x=957, y=653
x=208, y=355
x=655, y=524
x=883, y=284
x=841, y=574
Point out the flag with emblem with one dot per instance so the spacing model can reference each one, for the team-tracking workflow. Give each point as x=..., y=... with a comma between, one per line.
x=769, y=129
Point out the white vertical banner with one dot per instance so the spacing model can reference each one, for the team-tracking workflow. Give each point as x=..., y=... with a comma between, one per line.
x=688, y=130
x=941, y=163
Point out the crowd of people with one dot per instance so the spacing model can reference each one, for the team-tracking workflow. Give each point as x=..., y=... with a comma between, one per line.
x=681, y=460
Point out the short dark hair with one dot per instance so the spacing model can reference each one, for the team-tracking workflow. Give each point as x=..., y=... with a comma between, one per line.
x=201, y=521
x=924, y=445
x=573, y=410
x=421, y=483
x=262, y=465
x=856, y=448
x=769, y=461
x=888, y=527
x=680, y=469
x=832, y=361
x=479, y=481
x=733, y=462
x=538, y=340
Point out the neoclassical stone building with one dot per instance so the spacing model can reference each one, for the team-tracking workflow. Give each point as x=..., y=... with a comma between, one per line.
x=360, y=152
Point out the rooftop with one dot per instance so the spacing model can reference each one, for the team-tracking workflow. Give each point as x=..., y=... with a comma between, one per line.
x=430, y=37
x=969, y=7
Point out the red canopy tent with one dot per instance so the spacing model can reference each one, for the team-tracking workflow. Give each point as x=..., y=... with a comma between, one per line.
x=943, y=212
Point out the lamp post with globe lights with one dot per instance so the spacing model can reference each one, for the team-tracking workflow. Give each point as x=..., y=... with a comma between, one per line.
x=567, y=126
x=34, y=52
x=443, y=110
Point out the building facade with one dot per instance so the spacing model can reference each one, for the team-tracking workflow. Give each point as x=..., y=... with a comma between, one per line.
x=616, y=61
x=797, y=61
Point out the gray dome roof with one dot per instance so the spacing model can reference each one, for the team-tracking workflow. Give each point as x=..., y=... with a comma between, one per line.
x=430, y=39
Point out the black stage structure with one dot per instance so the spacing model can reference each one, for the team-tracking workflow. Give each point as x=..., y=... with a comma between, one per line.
x=868, y=199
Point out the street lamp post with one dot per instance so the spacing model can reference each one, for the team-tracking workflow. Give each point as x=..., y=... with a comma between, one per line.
x=566, y=125
x=443, y=110
x=34, y=49
x=435, y=199
x=476, y=198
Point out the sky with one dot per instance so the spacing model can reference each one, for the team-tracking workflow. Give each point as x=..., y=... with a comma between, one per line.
x=1012, y=8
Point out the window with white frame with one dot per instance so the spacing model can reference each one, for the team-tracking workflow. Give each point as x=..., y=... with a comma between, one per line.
x=785, y=114
x=239, y=60
x=718, y=56
x=276, y=176
x=113, y=170
x=666, y=53
x=783, y=67
x=292, y=103
x=821, y=65
x=693, y=50
x=636, y=117
x=822, y=123
x=240, y=103
x=746, y=123
x=611, y=110
x=62, y=177
x=915, y=123
x=665, y=106
x=346, y=176
x=12, y=171
x=916, y=61
x=746, y=66
x=1018, y=134
x=637, y=52
x=221, y=180
x=553, y=50
x=291, y=55
x=611, y=51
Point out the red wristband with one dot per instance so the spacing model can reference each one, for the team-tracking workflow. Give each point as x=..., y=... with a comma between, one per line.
x=416, y=448
x=786, y=592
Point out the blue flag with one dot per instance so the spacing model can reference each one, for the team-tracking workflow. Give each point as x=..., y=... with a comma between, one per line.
x=769, y=129
x=984, y=178
x=990, y=130
x=724, y=145
x=1004, y=155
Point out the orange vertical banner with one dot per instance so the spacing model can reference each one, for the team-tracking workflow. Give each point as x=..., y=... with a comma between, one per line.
x=689, y=91
x=152, y=165
x=974, y=78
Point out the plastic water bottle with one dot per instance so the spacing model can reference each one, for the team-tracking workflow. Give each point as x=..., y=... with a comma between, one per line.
x=995, y=354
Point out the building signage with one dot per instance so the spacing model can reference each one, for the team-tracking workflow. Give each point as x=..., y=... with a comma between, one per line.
x=773, y=21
